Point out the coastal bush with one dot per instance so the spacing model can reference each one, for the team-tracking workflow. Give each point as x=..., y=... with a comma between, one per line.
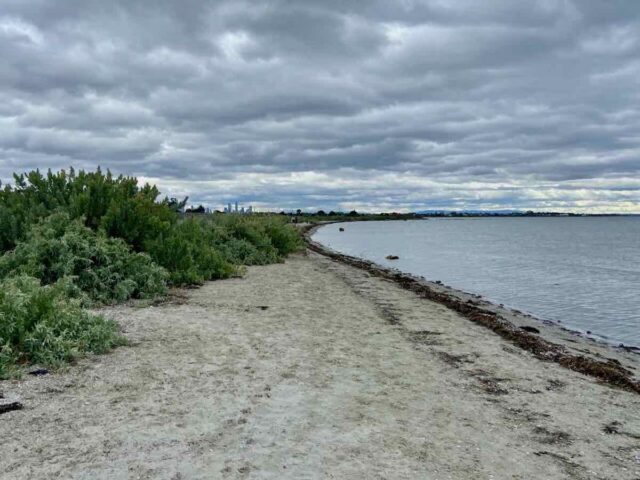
x=42, y=325
x=138, y=219
x=68, y=239
x=240, y=242
x=121, y=208
x=195, y=250
x=103, y=269
x=259, y=240
x=283, y=237
x=242, y=252
x=188, y=252
x=117, y=205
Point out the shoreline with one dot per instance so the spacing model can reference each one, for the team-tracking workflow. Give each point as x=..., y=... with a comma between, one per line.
x=495, y=304
x=312, y=368
x=617, y=366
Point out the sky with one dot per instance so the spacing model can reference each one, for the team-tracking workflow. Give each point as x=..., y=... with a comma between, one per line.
x=334, y=104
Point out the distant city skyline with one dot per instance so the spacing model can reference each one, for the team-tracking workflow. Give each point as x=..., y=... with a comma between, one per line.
x=236, y=208
x=373, y=106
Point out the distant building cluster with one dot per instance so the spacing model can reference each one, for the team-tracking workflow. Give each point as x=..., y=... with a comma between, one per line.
x=238, y=210
x=199, y=210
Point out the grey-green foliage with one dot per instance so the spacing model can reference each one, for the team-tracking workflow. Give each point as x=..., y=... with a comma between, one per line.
x=103, y=269
x=68, y=238
x=254, y=240
x=41, y=324
x=188, y=252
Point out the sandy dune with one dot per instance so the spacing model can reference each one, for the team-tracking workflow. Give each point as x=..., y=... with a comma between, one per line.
x=313, y=369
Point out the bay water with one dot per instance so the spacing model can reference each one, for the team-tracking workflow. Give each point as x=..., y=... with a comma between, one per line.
x=581, y=271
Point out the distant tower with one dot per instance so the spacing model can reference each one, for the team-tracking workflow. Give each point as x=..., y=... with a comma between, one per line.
x=236, y=206
x=229, y=208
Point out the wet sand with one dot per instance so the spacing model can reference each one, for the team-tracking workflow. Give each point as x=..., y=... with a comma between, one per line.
x=317, y=369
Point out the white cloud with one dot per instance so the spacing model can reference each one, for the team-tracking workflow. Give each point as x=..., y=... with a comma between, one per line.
x=413, y=105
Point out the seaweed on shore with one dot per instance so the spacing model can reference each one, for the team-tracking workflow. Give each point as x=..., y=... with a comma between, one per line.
x=608, y=372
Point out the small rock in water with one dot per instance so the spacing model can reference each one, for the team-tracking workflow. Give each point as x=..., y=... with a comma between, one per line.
x=392, y=257
x=38, y=372
x=341, y=229
x=612, y=427
x=529, y=329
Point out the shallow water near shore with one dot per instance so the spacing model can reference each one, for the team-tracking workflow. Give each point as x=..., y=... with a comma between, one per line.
x=581, y=271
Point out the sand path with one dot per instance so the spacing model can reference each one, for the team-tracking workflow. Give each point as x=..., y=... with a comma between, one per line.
x=313, y=369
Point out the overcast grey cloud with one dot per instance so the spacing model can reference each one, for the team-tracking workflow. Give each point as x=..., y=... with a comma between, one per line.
x=332, y=104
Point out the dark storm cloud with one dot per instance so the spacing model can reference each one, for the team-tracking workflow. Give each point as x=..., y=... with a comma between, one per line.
x=333, y=104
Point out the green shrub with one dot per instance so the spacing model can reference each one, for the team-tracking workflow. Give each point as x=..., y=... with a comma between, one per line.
x=193, y=250
x=68, y=238
x=117, y=205
x=270, y=236
x=285, y=238
x=104, y=269
x=188, y=252
x=41, y=324
x=138, y=219
x=243, y=252
x=235, y=248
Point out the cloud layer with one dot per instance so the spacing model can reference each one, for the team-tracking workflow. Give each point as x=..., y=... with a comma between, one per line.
x=335, y=104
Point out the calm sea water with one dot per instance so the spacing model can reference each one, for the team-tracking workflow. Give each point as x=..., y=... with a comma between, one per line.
x=582, y=271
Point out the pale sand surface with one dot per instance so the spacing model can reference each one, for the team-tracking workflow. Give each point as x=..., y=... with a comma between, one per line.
x=343, y=376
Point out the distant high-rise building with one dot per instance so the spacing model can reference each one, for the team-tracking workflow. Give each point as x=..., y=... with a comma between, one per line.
x=235, y=208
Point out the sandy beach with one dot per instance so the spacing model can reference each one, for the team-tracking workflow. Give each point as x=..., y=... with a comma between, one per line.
x=316, y=369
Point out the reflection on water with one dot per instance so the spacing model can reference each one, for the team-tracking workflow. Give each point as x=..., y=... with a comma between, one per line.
x=583, y=271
